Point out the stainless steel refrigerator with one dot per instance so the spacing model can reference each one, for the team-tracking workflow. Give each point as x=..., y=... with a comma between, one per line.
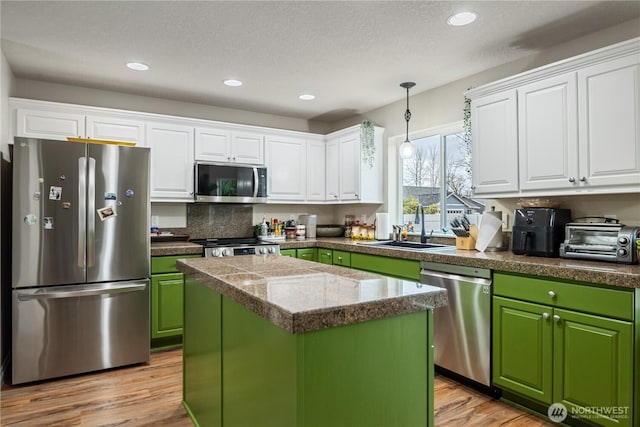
x=80, y=275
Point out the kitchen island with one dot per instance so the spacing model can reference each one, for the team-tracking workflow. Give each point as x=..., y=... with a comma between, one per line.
x=277, y=341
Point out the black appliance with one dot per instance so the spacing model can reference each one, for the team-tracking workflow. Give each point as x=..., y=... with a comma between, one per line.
x=235, y=246
x=539, y=231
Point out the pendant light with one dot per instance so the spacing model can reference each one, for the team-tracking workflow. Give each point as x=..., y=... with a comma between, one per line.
x=407, y=149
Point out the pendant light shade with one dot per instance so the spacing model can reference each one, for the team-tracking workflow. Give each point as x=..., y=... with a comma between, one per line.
x=407, y=149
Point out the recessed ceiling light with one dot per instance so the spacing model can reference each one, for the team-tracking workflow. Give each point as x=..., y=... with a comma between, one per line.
x=307, y=97
x=462, y=18
x=137, y=66
x=233, y=82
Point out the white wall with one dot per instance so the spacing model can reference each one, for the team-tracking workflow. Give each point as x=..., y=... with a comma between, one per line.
x=55, y=92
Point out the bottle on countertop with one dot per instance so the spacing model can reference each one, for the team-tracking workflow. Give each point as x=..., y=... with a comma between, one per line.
x=264, y=228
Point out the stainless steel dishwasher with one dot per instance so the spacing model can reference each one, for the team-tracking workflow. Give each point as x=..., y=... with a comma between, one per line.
x=462, y=329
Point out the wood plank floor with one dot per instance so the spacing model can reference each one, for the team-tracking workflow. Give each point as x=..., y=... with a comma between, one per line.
x=151, y=395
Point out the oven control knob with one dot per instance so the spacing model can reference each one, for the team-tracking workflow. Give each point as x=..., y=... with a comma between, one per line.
x=622, y=252
x=215, y=252
x=272, y=250
x=263, y=250
x=226, y=252
x=623, y=240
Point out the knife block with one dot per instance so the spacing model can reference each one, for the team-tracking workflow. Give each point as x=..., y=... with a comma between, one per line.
x=466, y=243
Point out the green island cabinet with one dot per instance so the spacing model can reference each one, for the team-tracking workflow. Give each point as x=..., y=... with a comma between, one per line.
x=241, y=370
x=166, y=297
x=395, y=267
x=568, y=343
x=310, y=254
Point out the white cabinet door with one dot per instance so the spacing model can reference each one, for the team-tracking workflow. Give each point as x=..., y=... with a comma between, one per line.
x=115, y=129
x=332, y=151
x=212, y=145
x=286, y=168
x=171, y=161
x=49, y=124
x=229, y=146
x=609, y=117
x=316, y=170
x=247, y=147
x=495, y=143
x=548, y=133
x=350, y=167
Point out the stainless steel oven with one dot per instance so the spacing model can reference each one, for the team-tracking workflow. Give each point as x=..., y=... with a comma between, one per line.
x=236, y=246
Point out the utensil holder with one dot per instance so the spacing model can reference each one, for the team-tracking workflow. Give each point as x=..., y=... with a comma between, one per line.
x=466, y=243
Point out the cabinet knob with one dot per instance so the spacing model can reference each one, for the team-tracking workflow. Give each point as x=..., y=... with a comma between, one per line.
x=335, y=196
x=583, y=179
x=556, y=318
x=228, y=158
x=545, y=316
x=191, y=193
x=473, y=187
x=572, y=180
x=234, y=159
x=552, y=294
x=339, y=258
x=357, y=195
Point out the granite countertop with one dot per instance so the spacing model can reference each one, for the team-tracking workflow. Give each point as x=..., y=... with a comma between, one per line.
x=302, y=296
x=175, y=248
x=597, y=272
x=604, y=273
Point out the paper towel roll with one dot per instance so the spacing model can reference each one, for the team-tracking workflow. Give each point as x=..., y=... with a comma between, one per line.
x=490, y=233
x=383, y=229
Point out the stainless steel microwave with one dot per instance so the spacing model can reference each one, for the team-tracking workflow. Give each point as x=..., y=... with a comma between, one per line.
x=230, y=183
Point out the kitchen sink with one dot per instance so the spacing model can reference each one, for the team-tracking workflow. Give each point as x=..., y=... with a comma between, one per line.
x=408, y=245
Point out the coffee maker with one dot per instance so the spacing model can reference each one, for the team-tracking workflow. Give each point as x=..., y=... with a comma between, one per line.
x=539, y=231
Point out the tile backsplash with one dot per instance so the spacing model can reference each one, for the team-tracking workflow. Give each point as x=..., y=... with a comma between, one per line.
x=207, y=220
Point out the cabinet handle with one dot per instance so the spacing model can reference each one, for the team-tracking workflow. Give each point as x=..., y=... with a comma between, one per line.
x=545, y=316
x=572, y=180
x=556, y=318
x=552, y=294
x=583, y=179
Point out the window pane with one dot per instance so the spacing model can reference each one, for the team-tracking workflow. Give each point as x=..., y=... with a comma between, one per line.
x=458, y=172
x=421, y=184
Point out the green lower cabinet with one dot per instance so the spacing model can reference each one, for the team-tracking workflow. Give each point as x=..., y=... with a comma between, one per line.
x=310, y=254
x=554, y=355
x=288, y=252
x=241, y=370
x=325, y=256
x=342, y=258
x=166, y=305
x=397, y=267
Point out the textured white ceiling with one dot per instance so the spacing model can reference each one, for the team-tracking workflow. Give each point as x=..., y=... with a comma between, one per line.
x=351, y=54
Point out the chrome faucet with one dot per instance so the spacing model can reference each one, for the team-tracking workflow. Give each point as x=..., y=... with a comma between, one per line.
x=397, y=232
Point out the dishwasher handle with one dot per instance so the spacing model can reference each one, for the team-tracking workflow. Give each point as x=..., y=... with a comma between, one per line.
x=438, y=276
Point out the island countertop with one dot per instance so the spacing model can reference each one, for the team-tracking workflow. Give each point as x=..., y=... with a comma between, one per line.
x=302, y=296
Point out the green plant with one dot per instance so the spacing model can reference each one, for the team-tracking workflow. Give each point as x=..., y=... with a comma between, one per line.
x=409, y=205
x=367, y=143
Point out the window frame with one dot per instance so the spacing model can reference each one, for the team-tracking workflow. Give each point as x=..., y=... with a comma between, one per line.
x=442, y=131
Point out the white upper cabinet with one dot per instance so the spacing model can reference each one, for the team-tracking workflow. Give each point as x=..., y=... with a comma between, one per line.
x=48, y=123
x=115, y=129
x=171, y=161
x=353, y=167
x=570, y=127
x=548, y=133
x=228, y=145
x=286, y=161
x=495, y=143
x=316, y=171
x=609, y=118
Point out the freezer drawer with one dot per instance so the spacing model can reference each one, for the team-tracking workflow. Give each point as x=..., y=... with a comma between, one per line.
x=64, y=330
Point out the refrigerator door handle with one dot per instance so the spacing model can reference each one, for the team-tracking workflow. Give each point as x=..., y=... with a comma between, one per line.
x=256, y=183
x=81, y=293
x=82, y=210
x=91, y=217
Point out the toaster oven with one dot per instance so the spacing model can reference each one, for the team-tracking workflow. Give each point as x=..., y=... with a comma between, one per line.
x=600, y=242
